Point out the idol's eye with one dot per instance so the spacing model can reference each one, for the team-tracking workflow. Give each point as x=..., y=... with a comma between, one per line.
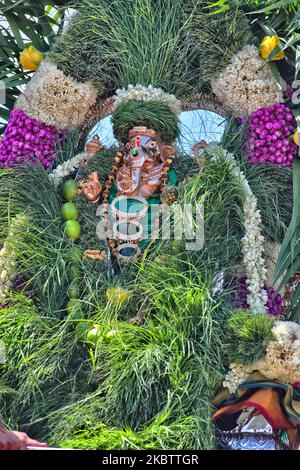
x=135, y=152
x=152, y=144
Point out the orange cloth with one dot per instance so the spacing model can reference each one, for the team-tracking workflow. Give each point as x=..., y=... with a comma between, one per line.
x=267, y=402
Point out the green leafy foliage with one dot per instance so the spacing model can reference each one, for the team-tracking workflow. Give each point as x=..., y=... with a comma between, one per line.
x=217, y=37
x=44, y=364
x=154, y=114
x=118, y=48
x=288, y=260
x=180, y=434
x=222, y=197
x=270, y=17
x=247, y=336
x=41, y=259
x=148, y=379
x=102, y=162
x=288, y=264
x=163, y=370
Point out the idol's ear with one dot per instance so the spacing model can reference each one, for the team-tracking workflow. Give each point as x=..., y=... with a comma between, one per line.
x=167, y=151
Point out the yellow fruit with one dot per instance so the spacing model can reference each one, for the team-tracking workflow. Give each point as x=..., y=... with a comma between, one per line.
x=267, y=46
x=70, y=190
x=117, y=296
x=296, y=138
x=31, y=58
x=72, y=229
x=69, y=211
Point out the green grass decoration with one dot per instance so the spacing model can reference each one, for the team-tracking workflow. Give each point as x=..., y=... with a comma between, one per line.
x=217, y=37
x=45, y=363
x=56, y=371
x=23, y=24
x=88, y=239
x=181, y=434
x=40, y=257
x=173, y=358
x=271, y=184
x=150, y=380
x=101, y=162
x=136, y=41
x=269, y=17
x=154, y=114
x=247, y=336
x=222, y=197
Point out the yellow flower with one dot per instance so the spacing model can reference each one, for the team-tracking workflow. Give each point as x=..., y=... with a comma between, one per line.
x=296, y=138
x=31, y=58
x=267, y=46
x=117, y=296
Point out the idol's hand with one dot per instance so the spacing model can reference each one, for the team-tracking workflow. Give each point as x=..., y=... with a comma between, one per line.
x=92, y=187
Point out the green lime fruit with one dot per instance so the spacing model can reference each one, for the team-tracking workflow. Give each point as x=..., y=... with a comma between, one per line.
x=72, y=229
x=69, y=211
x=74, y=290
x=93, y=335
x=74, y=272
x=70, y=190
x=81, y=330
x=73, y=309
x=74, y=255
x=111, y=334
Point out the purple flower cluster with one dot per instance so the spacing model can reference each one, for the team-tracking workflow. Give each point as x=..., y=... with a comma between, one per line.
x=27, y=140
x=269, y=139
x=274, y=302
x=289, y=91
x=240, y=294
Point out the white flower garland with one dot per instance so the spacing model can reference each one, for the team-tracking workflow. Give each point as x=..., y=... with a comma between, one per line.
x=281, y=362
x=56, y=99
x=252, y=241
x=8, y=265
x=237, y=375
x=143, y=93
x=247, y=83
x=66, y=168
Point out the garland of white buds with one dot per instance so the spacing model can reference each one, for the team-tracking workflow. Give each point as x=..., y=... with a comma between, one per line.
x=247, y=83
x=253, y=240
x=143, y=93
x=2, y=353
x=8, y=265
x=66, y=168
x=281, y=361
